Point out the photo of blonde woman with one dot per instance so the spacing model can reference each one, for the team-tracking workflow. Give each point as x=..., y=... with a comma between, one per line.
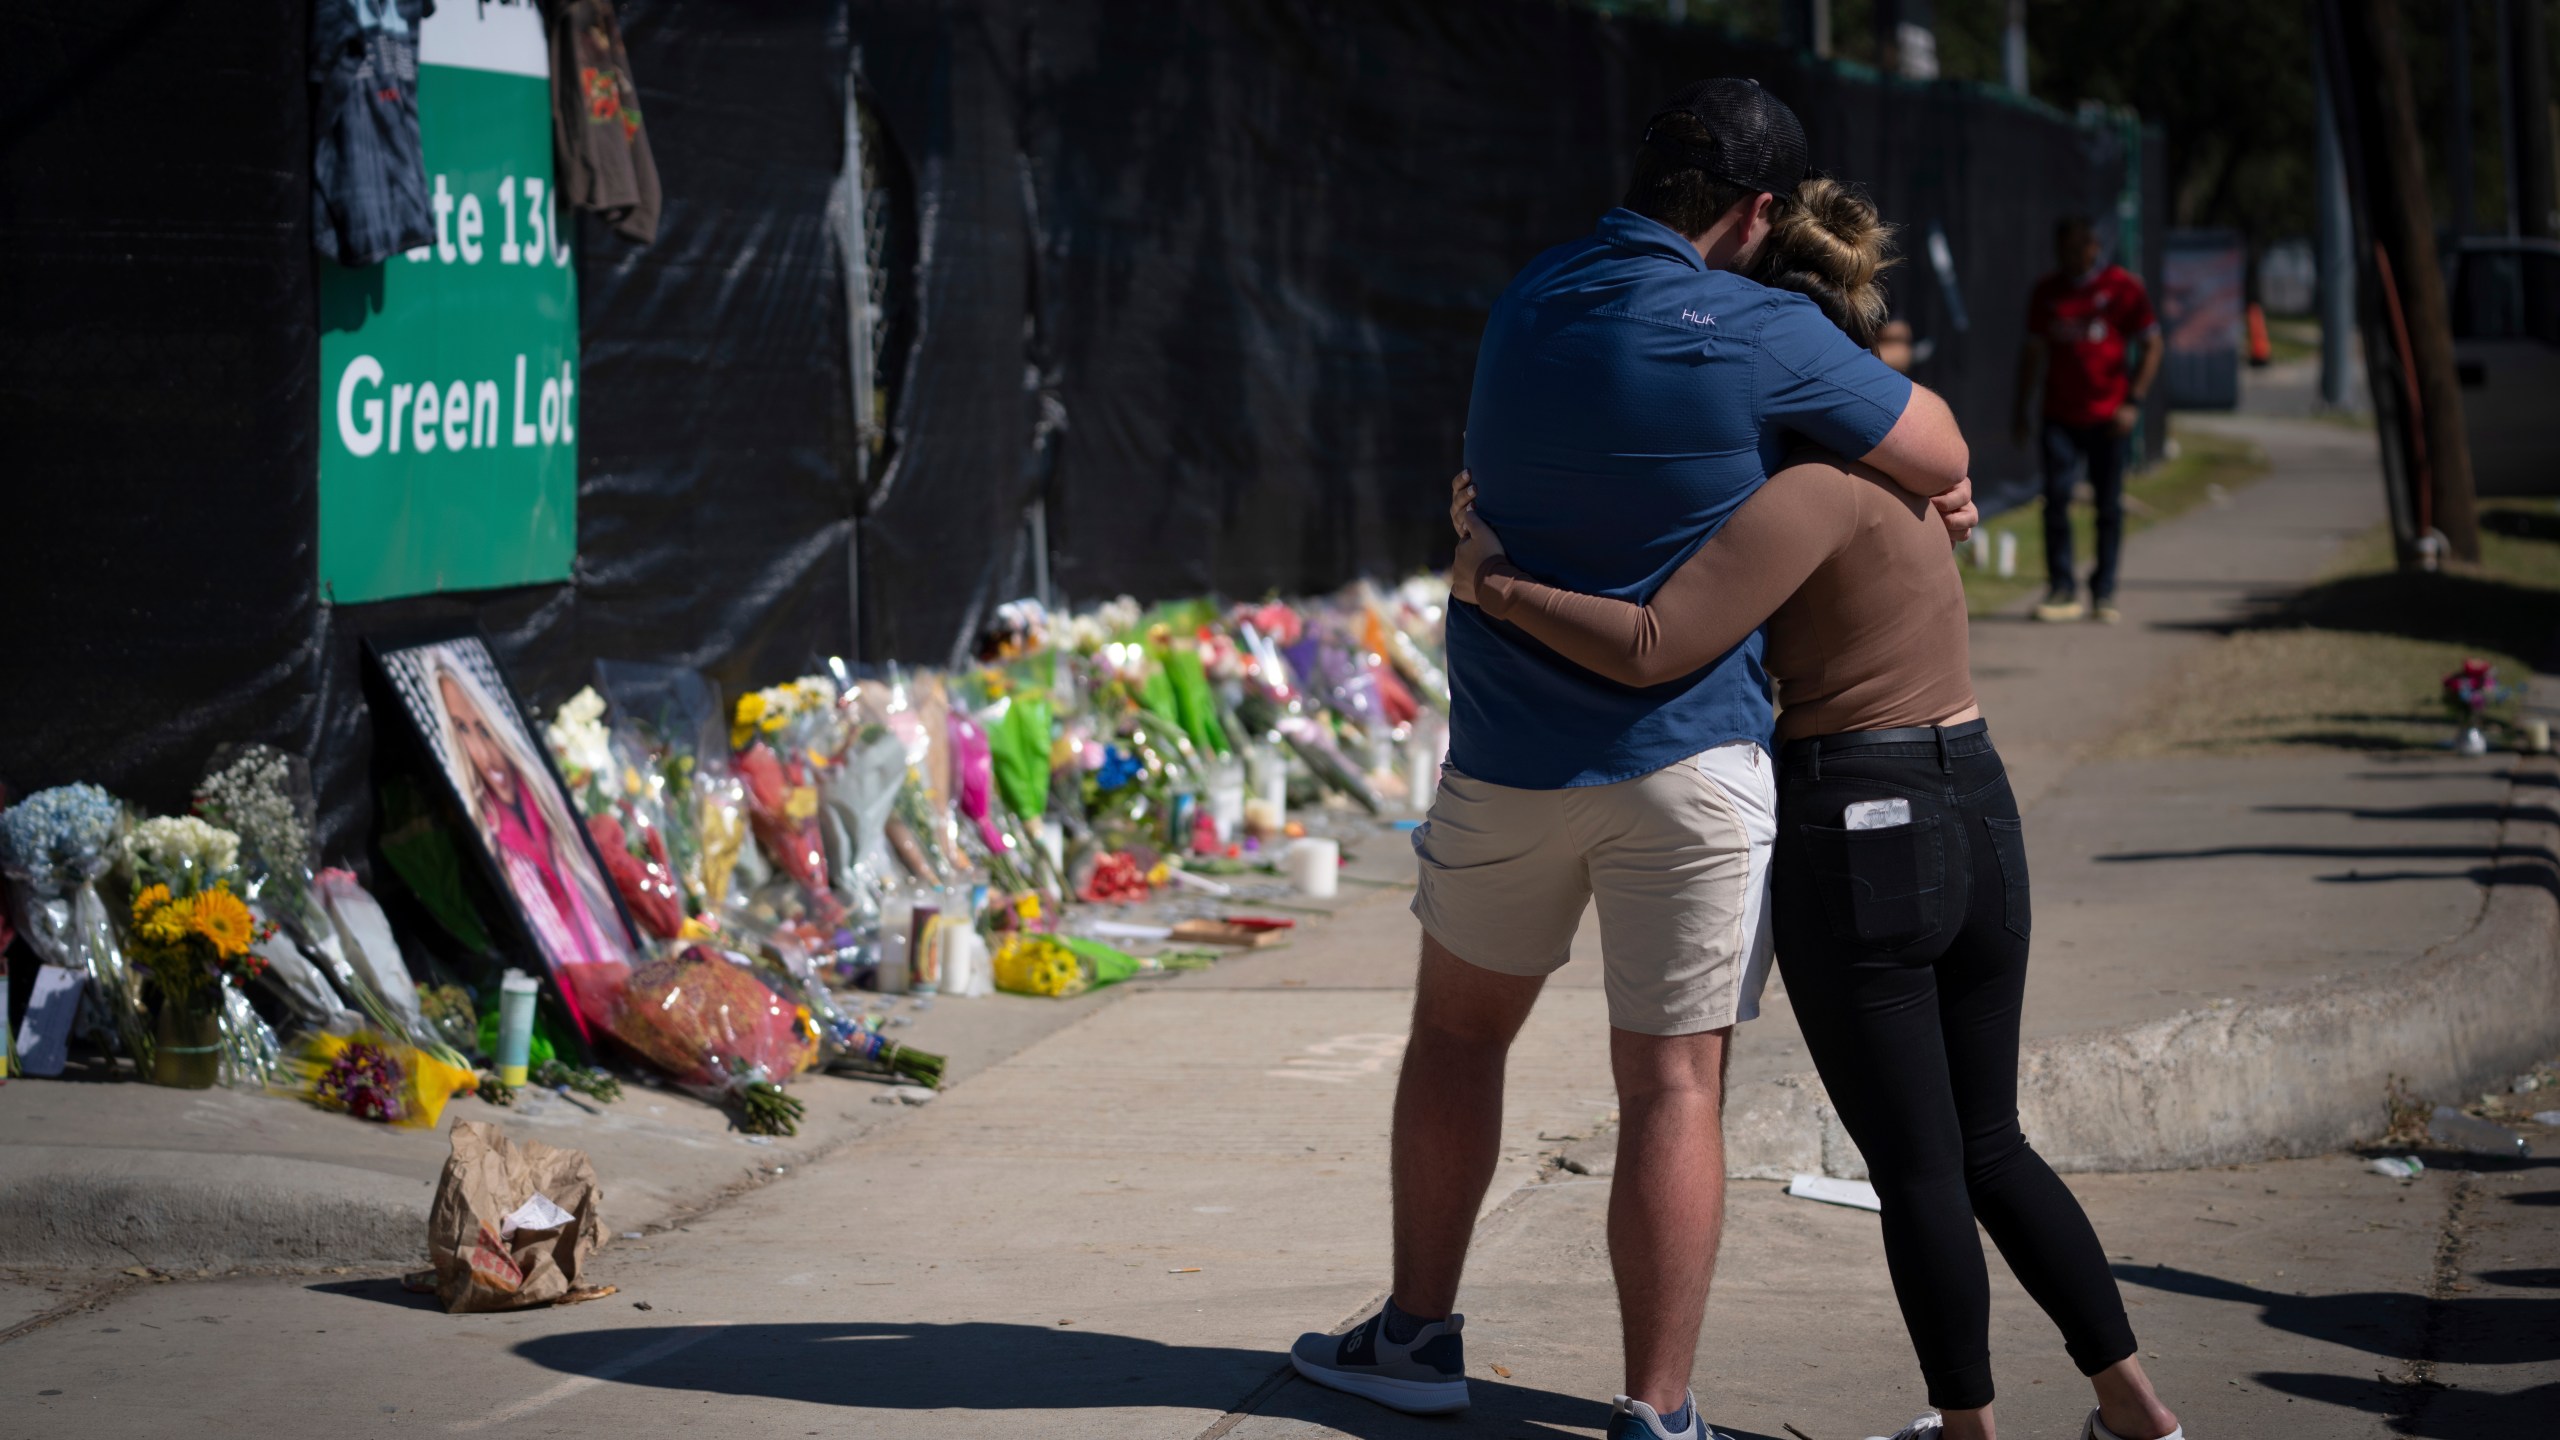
x=523, y=821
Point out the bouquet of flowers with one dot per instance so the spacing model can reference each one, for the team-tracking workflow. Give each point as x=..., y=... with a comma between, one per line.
x=193, y=935
x=625, y=812
x=858, y=797
x=719, y=1031
x=54, y=846
x=378, y=1077
x=2468, y=693
x=783, y=735
x=263, y=795
x=668, y=730
x=1029, y=962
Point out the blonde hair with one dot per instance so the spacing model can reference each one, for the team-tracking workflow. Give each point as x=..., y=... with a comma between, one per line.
x=569, y=854
x=1829, y=244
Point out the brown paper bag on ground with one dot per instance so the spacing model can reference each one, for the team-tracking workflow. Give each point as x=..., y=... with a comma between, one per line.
x=482, y=1265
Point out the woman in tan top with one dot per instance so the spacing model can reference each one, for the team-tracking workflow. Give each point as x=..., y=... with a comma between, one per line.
x=1900, y=882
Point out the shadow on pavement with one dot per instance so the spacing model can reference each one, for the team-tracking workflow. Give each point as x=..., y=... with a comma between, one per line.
x=995, y=1367
x=2481, y=810
x=2503, y=777
x=381, y=1292
x=2486, y=1330
x=2474, y=611
x=2434, y=1413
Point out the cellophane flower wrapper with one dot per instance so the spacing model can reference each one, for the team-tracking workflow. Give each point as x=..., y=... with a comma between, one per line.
x=782, y=808
x=709, y=1024
x=252, y=1057
x=368, y=961
x=973, y=787
x=55, y=846
x=667, y=726
x=374, y=1075
x=1029, y=962
x=622, y=796
x=264, y=796
x=719, y=800
x=858, y=796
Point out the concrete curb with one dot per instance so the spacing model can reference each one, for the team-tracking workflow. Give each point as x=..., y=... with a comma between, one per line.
x=75, y=1207
x=2292, y=1075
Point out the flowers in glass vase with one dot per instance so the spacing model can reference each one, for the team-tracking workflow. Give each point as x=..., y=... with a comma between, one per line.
x=189, y=929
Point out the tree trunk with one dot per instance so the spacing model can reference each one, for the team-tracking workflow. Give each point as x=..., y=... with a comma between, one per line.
x=2403, y=221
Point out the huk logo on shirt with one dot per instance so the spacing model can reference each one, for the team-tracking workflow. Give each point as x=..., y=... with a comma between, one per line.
x=1694, y=318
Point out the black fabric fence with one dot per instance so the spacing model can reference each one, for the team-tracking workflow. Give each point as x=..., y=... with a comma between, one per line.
x=1199, y=280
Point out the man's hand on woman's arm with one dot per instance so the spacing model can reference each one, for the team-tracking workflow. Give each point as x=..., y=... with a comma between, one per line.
x=1924, y=452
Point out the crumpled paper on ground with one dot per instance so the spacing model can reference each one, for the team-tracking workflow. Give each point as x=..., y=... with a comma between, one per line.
x=481, y=1239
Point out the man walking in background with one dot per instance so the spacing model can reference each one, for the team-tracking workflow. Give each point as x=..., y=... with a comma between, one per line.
x=2081, y=320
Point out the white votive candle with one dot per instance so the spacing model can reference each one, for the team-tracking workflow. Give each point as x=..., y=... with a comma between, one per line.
x=1315, y=867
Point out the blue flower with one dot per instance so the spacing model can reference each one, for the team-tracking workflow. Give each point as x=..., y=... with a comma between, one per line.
x=1119, y=770
x=59, y=834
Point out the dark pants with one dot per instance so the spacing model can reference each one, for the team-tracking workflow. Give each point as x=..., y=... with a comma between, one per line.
x=1905, y=956
x=2066, y=449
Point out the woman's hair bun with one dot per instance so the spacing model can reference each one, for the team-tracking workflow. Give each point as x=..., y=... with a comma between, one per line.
x=1830, y=244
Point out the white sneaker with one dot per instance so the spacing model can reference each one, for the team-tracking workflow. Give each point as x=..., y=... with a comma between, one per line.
x=1635, y=1420
x=2097, y=1430
x=1927, y=1427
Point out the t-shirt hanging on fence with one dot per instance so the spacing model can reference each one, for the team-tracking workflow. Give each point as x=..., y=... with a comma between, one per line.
x=368, y=172
x=605, y=164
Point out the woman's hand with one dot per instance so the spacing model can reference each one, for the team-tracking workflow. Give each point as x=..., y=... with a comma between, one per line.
x=1957, y=511
x=1462, y=500
x=1478, y=546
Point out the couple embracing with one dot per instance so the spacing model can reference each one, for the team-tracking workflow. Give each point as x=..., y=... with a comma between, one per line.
x=1689, y=476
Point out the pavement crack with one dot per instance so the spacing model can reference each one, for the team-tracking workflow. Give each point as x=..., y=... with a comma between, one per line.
x=2417, y=1383
x=89, y=1299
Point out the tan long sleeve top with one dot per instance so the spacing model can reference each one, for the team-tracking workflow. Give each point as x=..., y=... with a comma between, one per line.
x=1854, y=577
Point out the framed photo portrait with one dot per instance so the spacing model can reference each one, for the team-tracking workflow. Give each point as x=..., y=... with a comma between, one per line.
x=531, y=840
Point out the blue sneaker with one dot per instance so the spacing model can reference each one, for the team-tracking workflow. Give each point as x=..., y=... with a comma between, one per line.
x=1426, y=1375
x=1635, y=1420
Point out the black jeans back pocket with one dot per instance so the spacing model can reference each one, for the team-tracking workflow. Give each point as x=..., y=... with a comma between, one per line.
x=1881, y=889
x=2009, y=843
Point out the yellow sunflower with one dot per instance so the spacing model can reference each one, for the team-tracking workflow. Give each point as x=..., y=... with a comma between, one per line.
x=220, y=917
x=161, y=920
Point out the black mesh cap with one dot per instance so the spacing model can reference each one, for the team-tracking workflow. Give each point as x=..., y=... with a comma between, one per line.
x=1755, y=141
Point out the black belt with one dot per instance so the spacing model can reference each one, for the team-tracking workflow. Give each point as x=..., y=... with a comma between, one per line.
x=1813, y=747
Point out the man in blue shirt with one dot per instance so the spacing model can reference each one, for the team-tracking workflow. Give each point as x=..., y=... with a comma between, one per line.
x=1631, y=392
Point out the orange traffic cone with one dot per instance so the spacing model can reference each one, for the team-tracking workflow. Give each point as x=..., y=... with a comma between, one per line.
x=2260, y=352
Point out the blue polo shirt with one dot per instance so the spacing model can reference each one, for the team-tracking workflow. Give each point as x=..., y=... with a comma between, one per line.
x=1627, y=400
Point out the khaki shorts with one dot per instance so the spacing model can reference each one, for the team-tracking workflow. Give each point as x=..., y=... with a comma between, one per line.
x=1678, y=862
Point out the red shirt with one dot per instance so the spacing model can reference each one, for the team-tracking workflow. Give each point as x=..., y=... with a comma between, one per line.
x=2085, y=322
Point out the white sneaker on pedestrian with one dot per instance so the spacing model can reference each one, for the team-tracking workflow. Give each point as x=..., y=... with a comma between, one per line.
x=2097, y=1430
x=1635, y=1420
x=1927, y=1427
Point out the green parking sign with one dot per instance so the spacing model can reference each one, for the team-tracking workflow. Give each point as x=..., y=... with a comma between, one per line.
x=449, y=375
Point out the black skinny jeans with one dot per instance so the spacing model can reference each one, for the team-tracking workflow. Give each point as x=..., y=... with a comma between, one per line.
x=1905, y=956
